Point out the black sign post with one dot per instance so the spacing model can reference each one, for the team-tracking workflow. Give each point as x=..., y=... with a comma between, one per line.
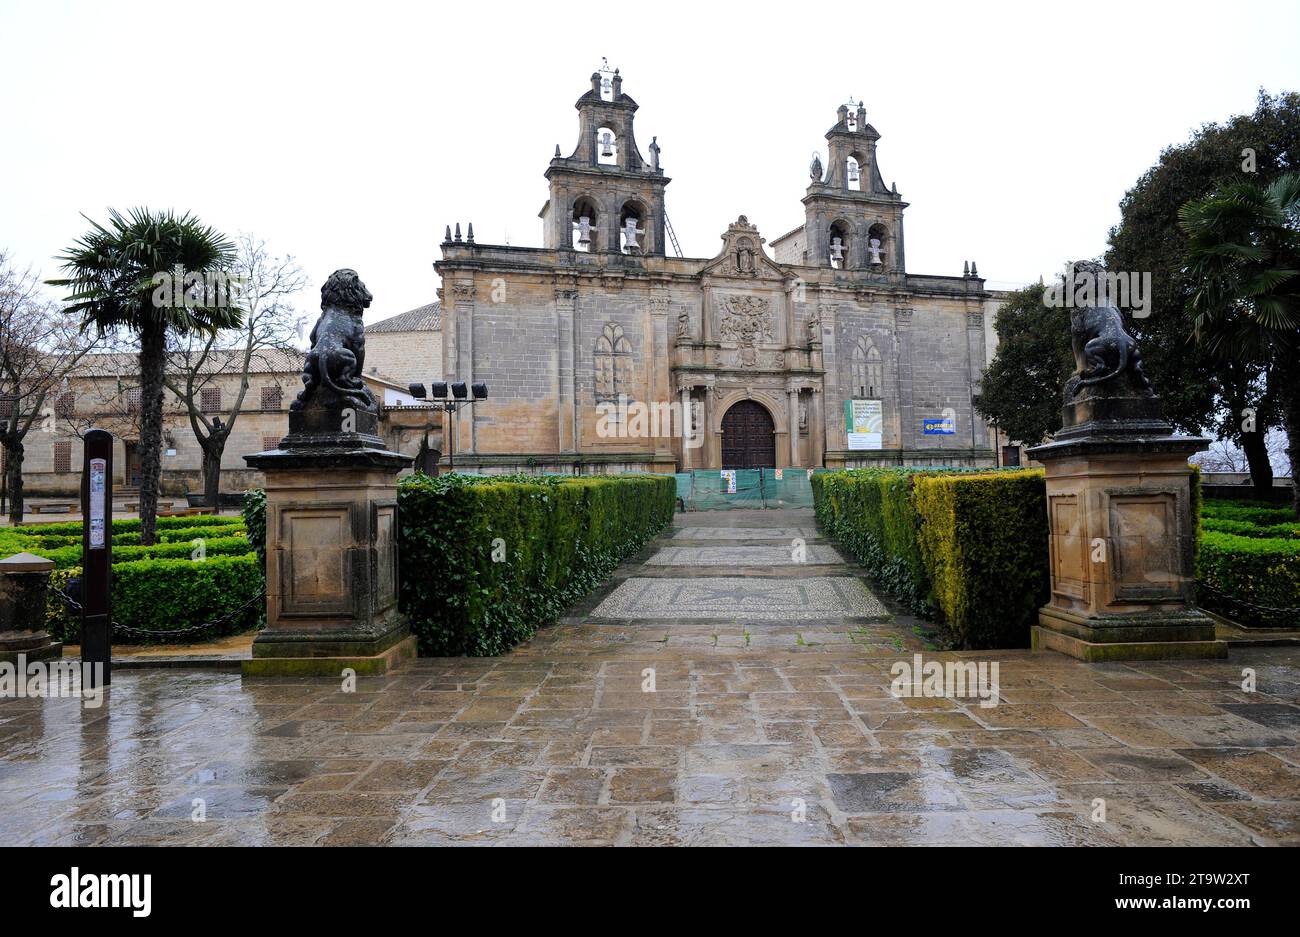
x=97, y=552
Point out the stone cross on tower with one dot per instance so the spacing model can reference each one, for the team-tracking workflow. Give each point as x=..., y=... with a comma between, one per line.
x=874, y=247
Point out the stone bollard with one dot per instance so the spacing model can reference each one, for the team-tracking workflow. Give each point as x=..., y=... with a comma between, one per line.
x=24, y=586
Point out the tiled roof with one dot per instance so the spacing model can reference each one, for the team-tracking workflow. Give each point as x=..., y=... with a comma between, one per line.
x=422, y=319
x=218, y=361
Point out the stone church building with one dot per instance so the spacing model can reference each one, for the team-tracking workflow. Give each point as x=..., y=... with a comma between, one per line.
x=825, y=352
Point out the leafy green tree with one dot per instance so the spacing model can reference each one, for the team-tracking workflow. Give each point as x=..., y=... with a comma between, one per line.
x=1021, y=389
x=1198, y=390
x=1243, y=256
x=114, y=274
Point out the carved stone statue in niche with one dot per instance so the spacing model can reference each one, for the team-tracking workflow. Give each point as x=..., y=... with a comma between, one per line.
x=745, y=257
x=814, y=330
x=683, y=324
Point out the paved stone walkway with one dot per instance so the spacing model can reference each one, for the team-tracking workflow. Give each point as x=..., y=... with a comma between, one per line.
x=771, y=722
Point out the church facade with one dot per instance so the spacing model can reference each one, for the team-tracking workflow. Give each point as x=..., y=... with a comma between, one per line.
x=603, y=352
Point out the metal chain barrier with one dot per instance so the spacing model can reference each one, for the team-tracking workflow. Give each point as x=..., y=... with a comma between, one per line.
x=192, y=630
x=1239, y=607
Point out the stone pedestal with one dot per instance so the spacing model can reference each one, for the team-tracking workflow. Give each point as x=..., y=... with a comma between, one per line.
x=24, y=585
x=1121, y=546
x=331, y=557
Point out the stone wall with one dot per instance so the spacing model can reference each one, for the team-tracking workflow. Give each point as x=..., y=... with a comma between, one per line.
x=101, y=400
x=405, y=357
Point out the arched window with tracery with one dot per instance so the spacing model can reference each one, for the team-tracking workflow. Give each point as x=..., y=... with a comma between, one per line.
x=613, y=363
x=868, y=370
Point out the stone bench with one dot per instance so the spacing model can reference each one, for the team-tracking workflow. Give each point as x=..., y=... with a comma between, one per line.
x=184, y=512
x=162, y=506
x=54, y=507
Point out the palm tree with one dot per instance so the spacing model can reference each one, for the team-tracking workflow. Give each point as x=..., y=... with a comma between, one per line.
x=115, y=273
x=1244, y=255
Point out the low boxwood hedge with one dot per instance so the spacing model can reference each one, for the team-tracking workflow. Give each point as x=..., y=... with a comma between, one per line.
x=486, y=560
x=966, y=549
x=1263, y=571
x=1253, y=512
x=164, y=595
x=1221, y=525
x=65, y=557
x=871, y=514
x=983, y=539
x=160, y=588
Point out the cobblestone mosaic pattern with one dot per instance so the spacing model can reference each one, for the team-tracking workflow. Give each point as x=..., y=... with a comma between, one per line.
x=743, y=533
x=751, y=598
x=814, y=555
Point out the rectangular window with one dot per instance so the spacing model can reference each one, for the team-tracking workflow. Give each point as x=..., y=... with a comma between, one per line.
x=7, y=405
x=270, y=442
x=65, y=405
x=210, y=400
x=63, y=457
x=133, y=400
x=1010, y=455
x=271, y=397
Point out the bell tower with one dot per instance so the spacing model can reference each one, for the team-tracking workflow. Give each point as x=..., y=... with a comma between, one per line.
x=852, y=220
x=605, y=196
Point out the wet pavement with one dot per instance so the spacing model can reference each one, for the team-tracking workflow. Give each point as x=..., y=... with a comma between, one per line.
x=685, y=703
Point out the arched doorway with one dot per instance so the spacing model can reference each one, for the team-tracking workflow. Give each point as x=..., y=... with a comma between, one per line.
x=748, y=437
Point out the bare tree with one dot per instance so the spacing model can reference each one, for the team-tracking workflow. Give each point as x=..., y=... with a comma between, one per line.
x=39, y=347
x=1224, y=457
x=271, y=325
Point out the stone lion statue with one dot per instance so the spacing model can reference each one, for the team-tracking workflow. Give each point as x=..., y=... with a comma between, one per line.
x=332, y=372
x=1103, y=350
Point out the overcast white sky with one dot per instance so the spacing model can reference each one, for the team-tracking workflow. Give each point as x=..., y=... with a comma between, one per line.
x=350, y=134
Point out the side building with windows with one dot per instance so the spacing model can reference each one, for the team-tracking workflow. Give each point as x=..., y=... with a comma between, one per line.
x=104, y=393
x=825, y=352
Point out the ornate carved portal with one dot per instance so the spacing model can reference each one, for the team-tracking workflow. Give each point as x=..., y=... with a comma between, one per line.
x=748, y=437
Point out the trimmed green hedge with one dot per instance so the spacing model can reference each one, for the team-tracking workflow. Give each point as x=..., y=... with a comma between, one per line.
x=984, y=539
x=163, y=595
x=1250, y=551
x=161, y=587
x=1259, y=570
x=1254, y=512
x=1247, y=529
x=965, y=549
x=870, y=512
x=66, y=557
x=556, y=538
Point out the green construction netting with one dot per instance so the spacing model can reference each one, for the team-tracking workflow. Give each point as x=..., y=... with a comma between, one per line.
x=725, y=489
